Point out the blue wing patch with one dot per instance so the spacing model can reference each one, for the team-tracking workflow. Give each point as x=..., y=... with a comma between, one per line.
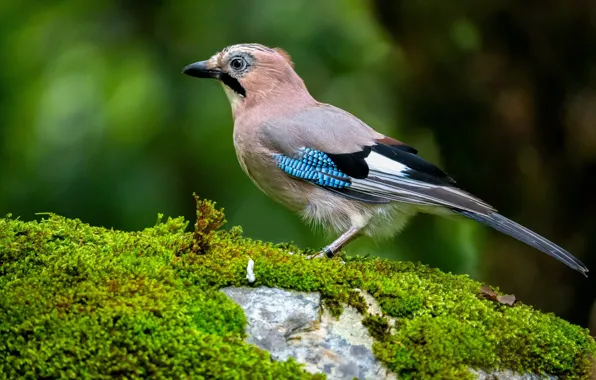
x=313, y=166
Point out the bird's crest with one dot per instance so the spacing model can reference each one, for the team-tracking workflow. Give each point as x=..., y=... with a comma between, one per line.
x=284, y=54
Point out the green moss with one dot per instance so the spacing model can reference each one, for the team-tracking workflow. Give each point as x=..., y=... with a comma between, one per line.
x=378, y=326
x=333, y=306
x=209, y=219
x=82, y=301
x=357, y=300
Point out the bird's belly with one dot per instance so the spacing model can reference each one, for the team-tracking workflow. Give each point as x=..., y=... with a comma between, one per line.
x=338, y=213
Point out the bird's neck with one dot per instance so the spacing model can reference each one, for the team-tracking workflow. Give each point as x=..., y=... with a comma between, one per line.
x=284, y=99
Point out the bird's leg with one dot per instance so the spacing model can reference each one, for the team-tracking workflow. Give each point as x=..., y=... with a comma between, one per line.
x=338, y=243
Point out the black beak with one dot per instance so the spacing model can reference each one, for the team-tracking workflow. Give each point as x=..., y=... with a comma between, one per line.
x=200, y=70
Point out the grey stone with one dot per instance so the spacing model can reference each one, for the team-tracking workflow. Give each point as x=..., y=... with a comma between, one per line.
x=292, y=324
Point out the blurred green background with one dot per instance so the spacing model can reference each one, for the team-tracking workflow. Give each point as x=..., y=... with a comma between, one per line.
x=98, y=123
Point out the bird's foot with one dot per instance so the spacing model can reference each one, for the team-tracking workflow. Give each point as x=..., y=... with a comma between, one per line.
x=325, y=252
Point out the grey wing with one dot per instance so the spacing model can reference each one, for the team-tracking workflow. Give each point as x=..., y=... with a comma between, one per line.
x=370, y=166
x=323, y=127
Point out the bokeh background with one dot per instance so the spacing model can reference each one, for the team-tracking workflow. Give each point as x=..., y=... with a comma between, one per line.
x=97, y=122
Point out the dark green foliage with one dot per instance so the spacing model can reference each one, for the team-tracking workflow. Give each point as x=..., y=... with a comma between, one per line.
x=82, y=301
x=378, y=326
x=208, y=221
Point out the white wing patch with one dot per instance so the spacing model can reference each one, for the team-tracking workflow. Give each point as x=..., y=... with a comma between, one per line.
x=382, y=164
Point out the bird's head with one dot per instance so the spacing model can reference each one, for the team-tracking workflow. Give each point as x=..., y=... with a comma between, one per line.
x=249, y=72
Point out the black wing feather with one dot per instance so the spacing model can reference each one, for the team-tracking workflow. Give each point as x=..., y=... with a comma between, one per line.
x=352, y=164
x=405, y=148
x=420, y=169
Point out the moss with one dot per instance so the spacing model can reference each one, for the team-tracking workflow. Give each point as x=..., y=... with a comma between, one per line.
x=378, y=326
x=79, y=301
x=209, y=219
x=357, y=300
x=83, y=301
x=333, y=306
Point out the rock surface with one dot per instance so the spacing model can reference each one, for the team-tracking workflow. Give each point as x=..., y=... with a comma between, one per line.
x=293, y=324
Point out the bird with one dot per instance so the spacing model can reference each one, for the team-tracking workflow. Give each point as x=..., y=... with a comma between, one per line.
x=329, y=166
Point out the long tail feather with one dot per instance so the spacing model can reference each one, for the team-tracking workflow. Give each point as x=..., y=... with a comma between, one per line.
x=521, y=233
x=407, y=190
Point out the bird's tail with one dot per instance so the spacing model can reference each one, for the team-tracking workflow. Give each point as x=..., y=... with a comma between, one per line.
x=521, y=233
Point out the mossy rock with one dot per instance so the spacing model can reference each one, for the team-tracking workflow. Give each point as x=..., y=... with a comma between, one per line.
x=88, y=302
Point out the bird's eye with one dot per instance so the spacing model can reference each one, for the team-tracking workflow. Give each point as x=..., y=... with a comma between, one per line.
x=238, y=63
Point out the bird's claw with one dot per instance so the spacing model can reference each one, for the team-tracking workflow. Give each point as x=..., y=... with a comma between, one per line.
x=318, y=255
x=325, y=252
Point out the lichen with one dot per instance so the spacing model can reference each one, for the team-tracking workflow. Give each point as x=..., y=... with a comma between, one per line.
x=84, y=301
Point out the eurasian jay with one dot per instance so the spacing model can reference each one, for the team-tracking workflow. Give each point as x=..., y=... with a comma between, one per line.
x=331, y=167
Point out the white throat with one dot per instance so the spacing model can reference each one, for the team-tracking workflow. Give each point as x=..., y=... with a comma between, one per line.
x=234, y=98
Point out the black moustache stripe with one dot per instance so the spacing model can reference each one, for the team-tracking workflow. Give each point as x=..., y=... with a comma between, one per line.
x=233, y=84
